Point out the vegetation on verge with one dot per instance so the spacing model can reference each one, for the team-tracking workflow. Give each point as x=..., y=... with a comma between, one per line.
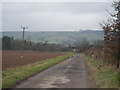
x=105, y=77
x=12, y=75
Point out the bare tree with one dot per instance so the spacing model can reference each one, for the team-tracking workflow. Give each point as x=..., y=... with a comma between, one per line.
x=112, y=37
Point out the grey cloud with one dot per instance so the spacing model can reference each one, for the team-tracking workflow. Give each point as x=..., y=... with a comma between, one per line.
x=80, y=7
x=53, y=16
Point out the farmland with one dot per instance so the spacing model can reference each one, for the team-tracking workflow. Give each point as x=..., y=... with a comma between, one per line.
x=11, y=59
x=58, y=36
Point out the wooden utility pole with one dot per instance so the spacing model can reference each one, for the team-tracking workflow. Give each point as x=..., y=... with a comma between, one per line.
x=23, y=28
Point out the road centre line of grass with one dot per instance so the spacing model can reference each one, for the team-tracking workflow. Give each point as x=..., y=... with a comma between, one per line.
x=12, y=75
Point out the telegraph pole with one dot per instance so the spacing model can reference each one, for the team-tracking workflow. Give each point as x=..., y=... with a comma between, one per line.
x=23, y=35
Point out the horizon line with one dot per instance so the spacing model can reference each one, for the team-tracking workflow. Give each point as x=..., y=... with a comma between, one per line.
x=56, y=0
x=54, y=31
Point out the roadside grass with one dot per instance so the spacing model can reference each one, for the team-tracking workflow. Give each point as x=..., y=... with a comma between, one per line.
x=106, y=77
x=12, y=75
x=0, y=79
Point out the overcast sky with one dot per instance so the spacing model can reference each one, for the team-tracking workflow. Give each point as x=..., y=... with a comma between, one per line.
x=59, y=16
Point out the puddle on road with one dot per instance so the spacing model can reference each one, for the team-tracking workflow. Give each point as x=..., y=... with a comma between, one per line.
x=53, y=81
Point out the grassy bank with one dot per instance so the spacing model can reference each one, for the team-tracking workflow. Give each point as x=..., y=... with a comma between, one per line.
x=13, y=75
x=105, y=77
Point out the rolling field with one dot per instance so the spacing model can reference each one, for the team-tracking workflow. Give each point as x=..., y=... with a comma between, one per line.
x=12, y=59
x=57, y=37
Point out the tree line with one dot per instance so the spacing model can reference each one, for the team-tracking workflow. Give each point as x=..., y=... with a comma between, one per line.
x=9, y=43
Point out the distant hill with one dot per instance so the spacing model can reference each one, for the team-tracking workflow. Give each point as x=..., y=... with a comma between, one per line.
x=57, y=37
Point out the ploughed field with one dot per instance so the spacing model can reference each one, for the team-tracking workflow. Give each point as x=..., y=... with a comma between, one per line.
x=12, y=59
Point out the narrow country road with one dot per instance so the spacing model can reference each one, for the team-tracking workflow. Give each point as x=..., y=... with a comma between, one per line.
x=71, y=73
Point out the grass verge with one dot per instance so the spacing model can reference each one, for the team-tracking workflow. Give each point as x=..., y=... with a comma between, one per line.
x=12, y=75
x=106, y=77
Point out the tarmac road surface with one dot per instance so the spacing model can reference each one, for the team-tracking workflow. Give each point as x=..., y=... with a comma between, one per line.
x=71, y=73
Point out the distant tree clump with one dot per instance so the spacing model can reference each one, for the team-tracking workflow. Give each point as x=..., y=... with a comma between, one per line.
x=84, y=45
x=6, y=42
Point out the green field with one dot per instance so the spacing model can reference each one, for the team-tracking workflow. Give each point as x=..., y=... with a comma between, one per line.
x=57, y=37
